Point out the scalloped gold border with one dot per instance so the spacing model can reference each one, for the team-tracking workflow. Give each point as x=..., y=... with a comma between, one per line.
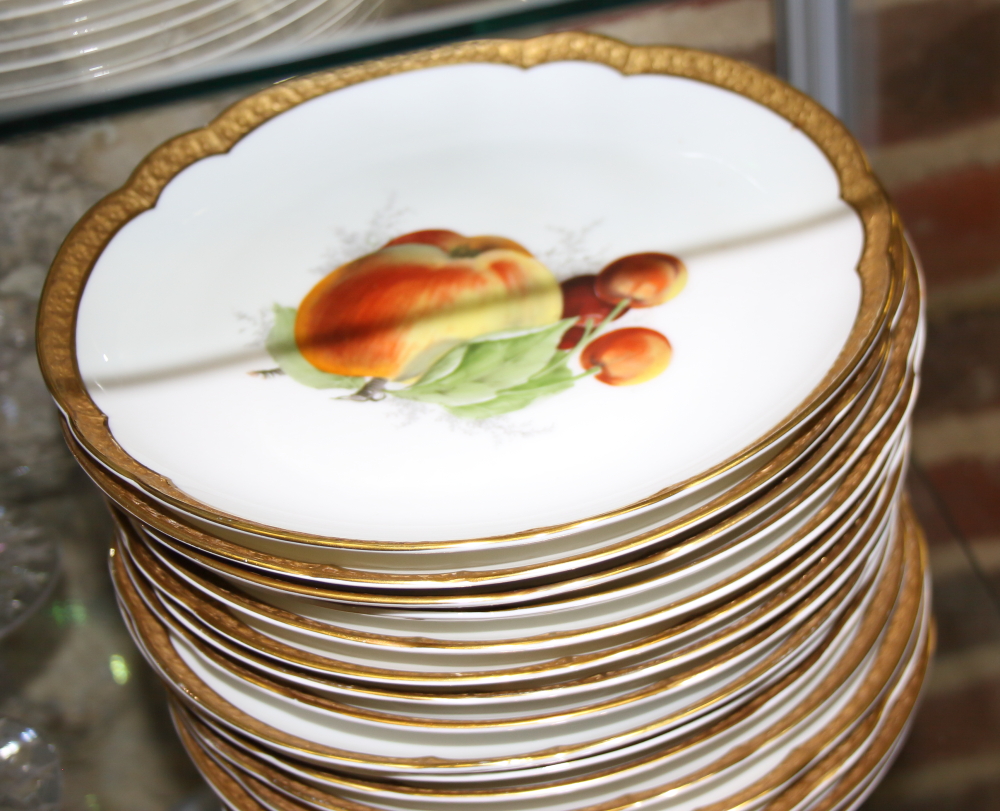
x=880, y=267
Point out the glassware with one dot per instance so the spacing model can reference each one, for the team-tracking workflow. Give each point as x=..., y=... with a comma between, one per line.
x=30, y=778
x=29, y=562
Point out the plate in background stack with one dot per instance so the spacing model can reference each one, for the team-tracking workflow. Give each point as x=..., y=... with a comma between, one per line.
x=658, y=701
x=407, y=542
x=898, y=655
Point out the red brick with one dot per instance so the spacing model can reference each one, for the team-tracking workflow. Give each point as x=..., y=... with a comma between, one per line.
x=938, y=66
x=970, y=490
x=984, y=796
x=954, y=220
x=925, y=505
x=961, y=368
x=953, y=725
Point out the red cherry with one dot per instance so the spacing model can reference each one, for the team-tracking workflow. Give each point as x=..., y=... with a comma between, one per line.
x=645, y=279
x=580, y=300
x=627, y=356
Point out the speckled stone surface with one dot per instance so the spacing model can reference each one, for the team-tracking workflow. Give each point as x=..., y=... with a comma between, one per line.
x=71, y=671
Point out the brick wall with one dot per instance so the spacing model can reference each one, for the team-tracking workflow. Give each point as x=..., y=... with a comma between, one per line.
x=938, y=152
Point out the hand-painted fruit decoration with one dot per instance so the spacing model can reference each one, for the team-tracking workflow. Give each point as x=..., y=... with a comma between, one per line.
x=393, y=313
x=580, y=300
x=476, y=325
x=644, y=279
x=627, y=356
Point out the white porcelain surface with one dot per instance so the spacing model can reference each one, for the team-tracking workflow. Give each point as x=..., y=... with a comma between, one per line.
x=711, y=544
x=509, y=601
x=702, y=563
x=706, y=168
x=283, y=588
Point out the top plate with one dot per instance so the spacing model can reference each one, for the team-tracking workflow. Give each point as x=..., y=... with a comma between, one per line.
x=573, y=160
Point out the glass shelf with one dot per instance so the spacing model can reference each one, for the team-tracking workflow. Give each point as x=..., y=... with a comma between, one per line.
x=126, y=58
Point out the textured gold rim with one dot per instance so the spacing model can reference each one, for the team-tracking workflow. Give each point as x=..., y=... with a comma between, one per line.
x=900, y=640
x=209, y=613
x=237, y=797
x=880, y=267
x=275, y=650
x=153, y=639
x=799, y=636
x=879, y=613
x=885, y=745
x=857, y=601
x=878, y=751
x=295, y=789
x=891, y=671
x=876, y=755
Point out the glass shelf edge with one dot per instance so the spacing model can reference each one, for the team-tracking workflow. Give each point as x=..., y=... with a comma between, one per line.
x=423, y=30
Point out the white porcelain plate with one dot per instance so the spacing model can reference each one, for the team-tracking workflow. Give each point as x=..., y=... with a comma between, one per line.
x=573, y=161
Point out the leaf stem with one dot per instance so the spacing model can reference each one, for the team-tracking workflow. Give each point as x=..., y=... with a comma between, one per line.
x=624, y=304
x=374, y=389
x=592, y=330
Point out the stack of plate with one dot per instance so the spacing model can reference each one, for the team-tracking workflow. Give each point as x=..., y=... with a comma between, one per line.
x=435, y=553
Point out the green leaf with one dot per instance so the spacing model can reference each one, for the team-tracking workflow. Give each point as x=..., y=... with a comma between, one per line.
x=455, y=395
x=493, y=408
x=480, y=369
x=281, y=346
x=445, y=365
x=551, y=380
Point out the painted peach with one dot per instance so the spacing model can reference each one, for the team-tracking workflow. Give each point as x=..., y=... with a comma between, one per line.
x=580, y=300
x=645, y=279
x=394, y=312
x=455, y=244
x=627, y=356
